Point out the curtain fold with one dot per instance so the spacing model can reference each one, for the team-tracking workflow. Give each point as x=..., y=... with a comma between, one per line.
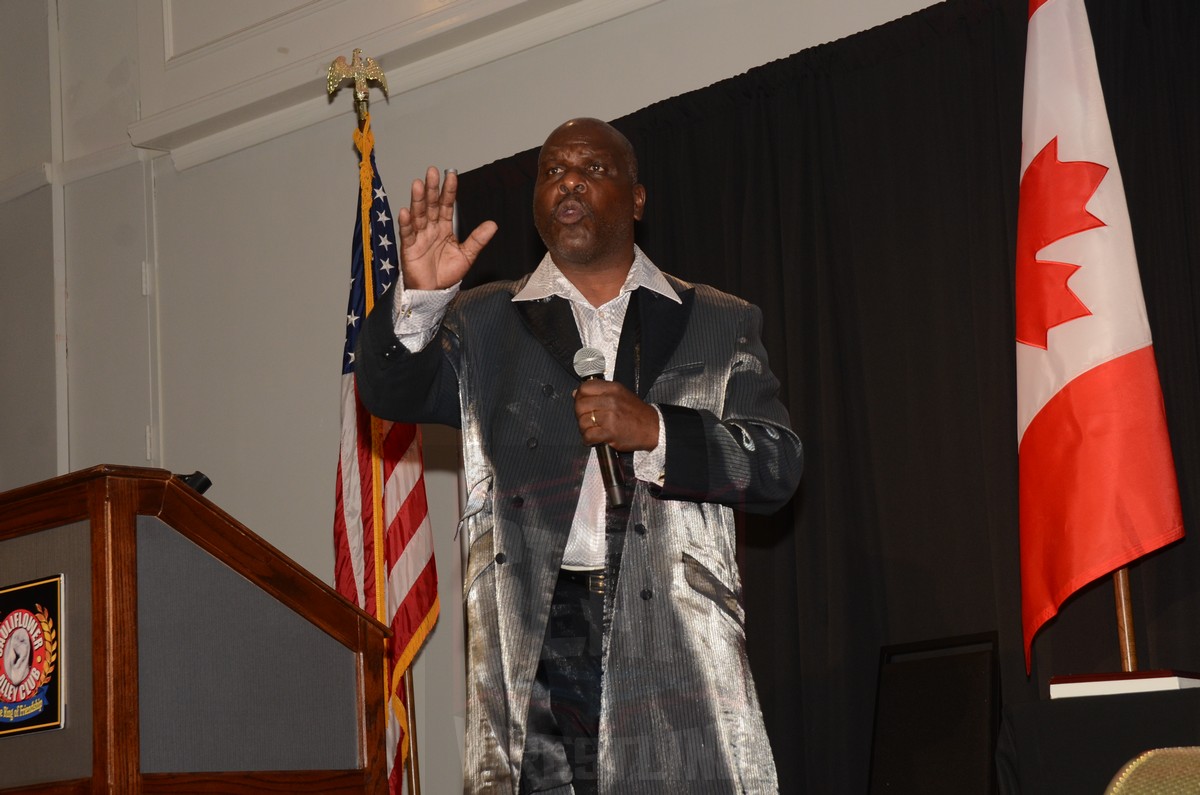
x=864, y=194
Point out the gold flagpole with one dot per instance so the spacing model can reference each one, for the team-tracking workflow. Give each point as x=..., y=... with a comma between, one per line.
x=414, y=767
x=362, y=71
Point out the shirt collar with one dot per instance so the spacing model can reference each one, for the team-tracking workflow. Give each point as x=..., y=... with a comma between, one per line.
x=547, y=281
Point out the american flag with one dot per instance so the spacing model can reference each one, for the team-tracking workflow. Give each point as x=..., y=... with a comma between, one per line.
x=383, y=543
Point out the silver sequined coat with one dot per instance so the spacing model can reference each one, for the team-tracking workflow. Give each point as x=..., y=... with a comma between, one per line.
x=679, y=712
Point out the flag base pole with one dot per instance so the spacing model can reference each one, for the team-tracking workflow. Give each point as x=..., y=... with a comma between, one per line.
x=1124, y=604
x=414, y=768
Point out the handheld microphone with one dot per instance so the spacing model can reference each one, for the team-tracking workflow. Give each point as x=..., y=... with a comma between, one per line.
x=589, y=364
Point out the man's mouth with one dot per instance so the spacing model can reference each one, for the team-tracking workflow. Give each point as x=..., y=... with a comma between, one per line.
x=570, y=211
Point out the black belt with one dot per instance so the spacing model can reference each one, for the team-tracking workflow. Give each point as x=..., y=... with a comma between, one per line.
x=595, y=580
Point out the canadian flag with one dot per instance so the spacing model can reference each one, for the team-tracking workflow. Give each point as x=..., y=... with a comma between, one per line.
x=1097, y=479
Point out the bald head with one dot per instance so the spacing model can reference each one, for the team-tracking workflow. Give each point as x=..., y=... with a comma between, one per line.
x=615, y=137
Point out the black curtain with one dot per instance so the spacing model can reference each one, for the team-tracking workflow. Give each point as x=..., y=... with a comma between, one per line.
x=864, y=194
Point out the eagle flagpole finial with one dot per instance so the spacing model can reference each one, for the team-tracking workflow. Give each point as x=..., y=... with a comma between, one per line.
x=361, y=70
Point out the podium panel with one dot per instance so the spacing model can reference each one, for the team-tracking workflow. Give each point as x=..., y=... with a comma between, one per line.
x=228, y=677
x=67, y=752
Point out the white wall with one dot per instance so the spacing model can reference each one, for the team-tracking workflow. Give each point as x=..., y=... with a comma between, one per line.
x=29, y=432
x=25, y=102
x=233, y=360
x=110, y=370
x=28, y=422
x=98, y=60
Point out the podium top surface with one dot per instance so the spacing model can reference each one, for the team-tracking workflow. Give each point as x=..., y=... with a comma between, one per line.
x=111, y=497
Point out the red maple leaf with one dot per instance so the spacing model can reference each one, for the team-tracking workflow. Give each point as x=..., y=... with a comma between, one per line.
x=1054, y=197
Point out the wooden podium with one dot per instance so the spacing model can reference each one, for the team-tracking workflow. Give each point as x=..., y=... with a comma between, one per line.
x=194, y=656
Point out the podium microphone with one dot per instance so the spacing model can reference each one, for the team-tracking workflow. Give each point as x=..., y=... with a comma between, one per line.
x=197, y=481
x=589, y=364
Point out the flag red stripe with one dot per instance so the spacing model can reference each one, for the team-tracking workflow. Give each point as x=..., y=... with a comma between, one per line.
x=402, y=448
x=412, y=610
x=399, y=438
x=408, y=521
x=1097, y=483
x=1034, y=5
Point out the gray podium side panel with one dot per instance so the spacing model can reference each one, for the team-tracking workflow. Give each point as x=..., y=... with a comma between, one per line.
x=66, y=753
x=230, y=679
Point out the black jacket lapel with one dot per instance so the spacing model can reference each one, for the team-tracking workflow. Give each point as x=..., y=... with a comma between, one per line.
x=552, y=324
x=662, y=323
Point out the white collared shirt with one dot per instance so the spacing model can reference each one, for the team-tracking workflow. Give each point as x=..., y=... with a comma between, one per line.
x=418, y=314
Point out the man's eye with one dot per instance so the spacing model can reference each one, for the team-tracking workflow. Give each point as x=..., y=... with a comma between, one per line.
x=597, y=167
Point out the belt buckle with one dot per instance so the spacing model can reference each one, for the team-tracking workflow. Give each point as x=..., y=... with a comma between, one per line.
x=596, y=582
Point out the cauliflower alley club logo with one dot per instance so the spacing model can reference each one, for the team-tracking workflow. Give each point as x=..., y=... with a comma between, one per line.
x=29, y=692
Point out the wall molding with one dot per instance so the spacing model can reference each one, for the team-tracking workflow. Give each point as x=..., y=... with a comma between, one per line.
x=413, y=54
x=95, y=163
x=73, y=170
x=23, y=182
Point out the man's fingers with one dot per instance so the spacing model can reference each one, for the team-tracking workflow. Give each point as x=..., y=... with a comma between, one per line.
x=433, y=178
x=430, y=252
x=478, y=239
x=449, y=193
x=432, y=203
x=609, y=413
x=417, y=204
x=404, y=226
x=433, y=194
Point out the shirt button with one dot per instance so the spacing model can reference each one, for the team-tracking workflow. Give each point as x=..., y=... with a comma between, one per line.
x=640, y=529
x=531, y=442
x=547, y=389
x=501, y=557
x=517, y=501
x=647, y=594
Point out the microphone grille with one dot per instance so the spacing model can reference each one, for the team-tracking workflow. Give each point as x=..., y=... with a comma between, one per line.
x=588, y=362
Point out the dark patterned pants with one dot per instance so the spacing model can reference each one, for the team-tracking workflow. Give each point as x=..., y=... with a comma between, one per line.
x=569, y=670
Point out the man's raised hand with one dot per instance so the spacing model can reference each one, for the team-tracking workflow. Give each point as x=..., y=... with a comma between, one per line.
x=431, y=256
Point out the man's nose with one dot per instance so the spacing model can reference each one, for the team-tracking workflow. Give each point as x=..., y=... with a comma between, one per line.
x=572, y=182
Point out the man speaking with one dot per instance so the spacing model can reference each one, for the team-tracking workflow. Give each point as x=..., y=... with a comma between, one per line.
x=605, y=637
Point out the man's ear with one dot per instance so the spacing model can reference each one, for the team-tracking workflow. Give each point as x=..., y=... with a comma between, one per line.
x=639, y=201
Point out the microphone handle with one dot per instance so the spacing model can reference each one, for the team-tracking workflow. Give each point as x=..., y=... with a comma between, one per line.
x=610, y=470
